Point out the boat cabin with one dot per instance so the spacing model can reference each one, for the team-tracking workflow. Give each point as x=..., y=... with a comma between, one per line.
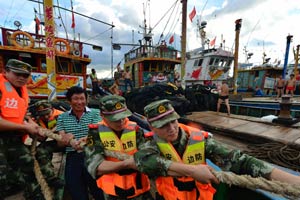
x=70, y=62
x=264, y=77
x=150, y=64
x=208, y=66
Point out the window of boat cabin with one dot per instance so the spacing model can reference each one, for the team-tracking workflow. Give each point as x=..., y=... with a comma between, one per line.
x=43, y=65
x=198, y=62
x=216, y=63
x=229, y=62
x=77, y=68
x=222, y=63
x=62, y=67
x=160, y=67
x=30, y=61
x=211, y=61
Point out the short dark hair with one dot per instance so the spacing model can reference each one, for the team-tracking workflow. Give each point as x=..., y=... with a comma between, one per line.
x=75, y=90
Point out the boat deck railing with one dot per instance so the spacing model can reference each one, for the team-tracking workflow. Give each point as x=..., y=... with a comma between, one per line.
x=64, y=46
x=144, y=51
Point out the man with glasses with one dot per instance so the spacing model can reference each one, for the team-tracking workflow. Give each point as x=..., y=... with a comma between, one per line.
x=16, y=162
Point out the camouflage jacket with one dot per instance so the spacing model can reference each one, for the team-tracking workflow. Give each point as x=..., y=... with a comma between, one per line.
x=94, y=150
x=149, y=161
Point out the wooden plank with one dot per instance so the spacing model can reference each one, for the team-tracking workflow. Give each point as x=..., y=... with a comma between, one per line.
x=250, y=128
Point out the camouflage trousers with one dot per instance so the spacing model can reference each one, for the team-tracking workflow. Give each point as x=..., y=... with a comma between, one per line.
x=44, y=154
x=16, y=168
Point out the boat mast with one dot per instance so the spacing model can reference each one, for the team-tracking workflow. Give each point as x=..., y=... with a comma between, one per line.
x=238, y=25
x=50, y=49
x=286, y=57
x=183, y=37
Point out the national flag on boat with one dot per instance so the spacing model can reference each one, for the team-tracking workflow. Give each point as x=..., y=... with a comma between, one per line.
x=192, y=14
x=171, y=40
x=73, y=17
x=213, y=42
x=37, y=23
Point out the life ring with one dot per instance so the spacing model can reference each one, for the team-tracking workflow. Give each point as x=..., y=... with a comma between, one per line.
x=25, y=35
x=67, y=50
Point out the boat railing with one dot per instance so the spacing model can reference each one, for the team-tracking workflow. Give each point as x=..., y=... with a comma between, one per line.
x=144, y=51
x=64, y=46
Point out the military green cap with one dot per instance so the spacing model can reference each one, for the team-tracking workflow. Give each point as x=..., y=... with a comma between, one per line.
x=114, y=108
x=18, y=66
x=160, y=113
x=43, y=107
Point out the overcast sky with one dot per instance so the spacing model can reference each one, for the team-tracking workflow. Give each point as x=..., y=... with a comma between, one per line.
x=265, y=25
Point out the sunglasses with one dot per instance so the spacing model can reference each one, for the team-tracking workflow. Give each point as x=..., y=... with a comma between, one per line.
x=21, y=74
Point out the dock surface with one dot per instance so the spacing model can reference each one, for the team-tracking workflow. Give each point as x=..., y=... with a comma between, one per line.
x=247, y=128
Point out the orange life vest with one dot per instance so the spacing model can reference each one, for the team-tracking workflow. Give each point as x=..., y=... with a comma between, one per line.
x=51, y=121
x=128, y=183
x=13, y=107
x=184, y=188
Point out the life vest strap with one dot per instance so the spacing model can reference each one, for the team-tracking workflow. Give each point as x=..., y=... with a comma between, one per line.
x=184, y=186
x=124, y=193
x=126, y=172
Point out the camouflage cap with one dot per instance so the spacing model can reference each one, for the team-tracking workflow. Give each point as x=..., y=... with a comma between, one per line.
x=18, y=66
x=114, y=108
x=160, y=113
x=43, y=107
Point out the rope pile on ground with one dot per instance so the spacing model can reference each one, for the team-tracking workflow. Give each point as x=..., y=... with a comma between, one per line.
x=284, y=189
x=276, y=153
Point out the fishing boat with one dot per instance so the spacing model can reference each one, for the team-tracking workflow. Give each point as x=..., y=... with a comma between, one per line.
x=71, y=63
x=150, y=63
x=257, y=86
x=209, y=64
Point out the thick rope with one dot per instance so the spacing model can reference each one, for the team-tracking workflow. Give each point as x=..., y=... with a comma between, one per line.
x=287, y=190
x=38, y=174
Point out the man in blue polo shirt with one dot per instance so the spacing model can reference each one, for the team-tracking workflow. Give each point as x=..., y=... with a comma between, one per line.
x=74, y=125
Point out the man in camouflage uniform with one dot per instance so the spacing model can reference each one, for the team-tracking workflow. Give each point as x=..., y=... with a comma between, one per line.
x=46, y=117
x=169, y=133
x=16, y=162
x=118, y=179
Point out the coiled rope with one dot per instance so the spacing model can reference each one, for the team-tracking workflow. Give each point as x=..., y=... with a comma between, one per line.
x=277, y=153
x=287, y=190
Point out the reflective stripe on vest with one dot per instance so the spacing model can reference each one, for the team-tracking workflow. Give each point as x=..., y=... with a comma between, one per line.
x=184, y=188
x=130, y=183
x=13, y=107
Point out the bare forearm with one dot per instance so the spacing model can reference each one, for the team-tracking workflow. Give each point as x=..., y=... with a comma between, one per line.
x=283, y=176
x=179, y=169
x=199, y=172
x=10, y=126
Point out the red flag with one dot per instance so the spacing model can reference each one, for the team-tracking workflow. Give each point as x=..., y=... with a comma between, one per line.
x=171, y=40
x=213, y=42
x=73, y=20
x=192, y=14
x=37, y=23
x=73, y=17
